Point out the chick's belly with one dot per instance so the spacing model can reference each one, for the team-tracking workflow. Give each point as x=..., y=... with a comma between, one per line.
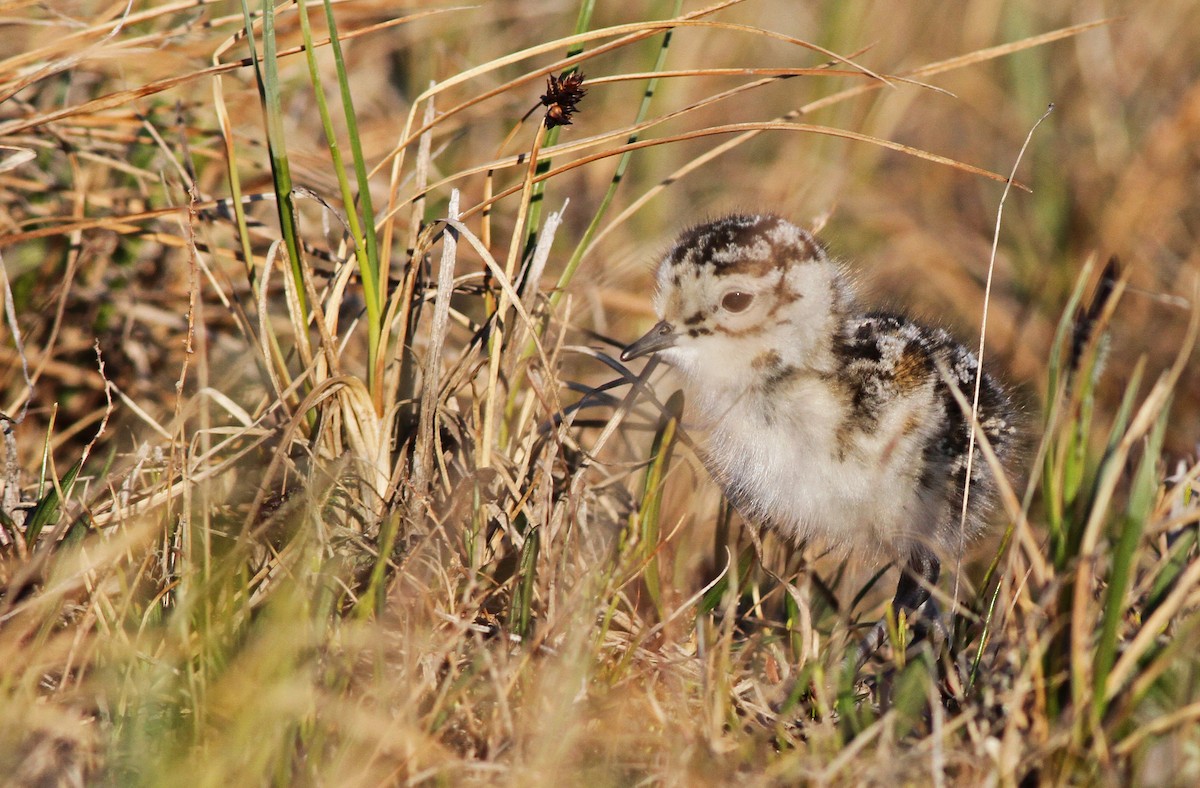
x=803, y=496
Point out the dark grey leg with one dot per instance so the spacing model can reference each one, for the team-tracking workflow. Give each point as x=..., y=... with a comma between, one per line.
x=918, y=576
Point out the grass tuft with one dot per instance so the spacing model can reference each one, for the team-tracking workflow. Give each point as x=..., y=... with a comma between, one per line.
x=361, y=496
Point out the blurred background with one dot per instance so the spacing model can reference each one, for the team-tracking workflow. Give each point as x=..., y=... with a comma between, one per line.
x=121, y=115
x=1113, y=170
x=115, y=229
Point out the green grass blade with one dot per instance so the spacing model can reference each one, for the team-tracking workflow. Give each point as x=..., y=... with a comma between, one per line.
x=527, y=580
x=910, y=698
x=1177, y=562
x=537, y=196
x=712, y=598
x=362, y=228
x=372, y=279
x=1141, y=500
x=267, y=73
x=50, y=506
x=1052, y=481
x=585, y=242
x=1069, y=548
x=367, y=246
x=652, y=489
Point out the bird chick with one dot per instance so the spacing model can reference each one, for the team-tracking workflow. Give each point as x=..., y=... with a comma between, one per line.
x=825, y=422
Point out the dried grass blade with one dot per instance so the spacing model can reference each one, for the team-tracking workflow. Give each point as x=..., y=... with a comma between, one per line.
x=430, y=384
x=733, y=128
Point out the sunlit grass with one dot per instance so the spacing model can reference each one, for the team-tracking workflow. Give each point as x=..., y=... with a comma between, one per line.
x=356, y=492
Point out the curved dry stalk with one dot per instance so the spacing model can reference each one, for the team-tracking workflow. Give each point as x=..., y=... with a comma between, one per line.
x=120, y=97
x=628, y=34
x=733, y=128
x=622, y=133
x=929, y=70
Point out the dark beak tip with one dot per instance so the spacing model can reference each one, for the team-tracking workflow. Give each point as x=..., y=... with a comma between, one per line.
x=661, y=337
x=634, y=350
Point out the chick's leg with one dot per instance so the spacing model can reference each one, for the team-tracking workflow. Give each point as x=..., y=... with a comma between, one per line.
x=917, y=577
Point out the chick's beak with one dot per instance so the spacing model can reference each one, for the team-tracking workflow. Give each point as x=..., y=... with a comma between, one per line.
x=661, y=337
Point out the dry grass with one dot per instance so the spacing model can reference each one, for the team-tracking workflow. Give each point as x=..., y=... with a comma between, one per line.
x=319, y=467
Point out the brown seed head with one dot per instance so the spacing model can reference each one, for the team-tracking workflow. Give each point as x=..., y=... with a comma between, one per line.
x=562, y=97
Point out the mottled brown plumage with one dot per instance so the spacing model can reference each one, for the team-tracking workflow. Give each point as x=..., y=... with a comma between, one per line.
x=825, y=421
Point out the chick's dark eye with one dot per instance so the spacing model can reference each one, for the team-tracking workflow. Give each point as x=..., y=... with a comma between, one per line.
x=736, y=300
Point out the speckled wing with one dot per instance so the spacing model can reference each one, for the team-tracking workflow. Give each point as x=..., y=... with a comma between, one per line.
x=887, y=361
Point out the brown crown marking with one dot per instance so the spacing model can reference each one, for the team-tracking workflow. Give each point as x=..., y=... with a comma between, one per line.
x=752, y=245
